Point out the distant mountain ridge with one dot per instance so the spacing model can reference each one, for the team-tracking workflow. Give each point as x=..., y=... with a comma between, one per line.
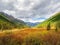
x=32, y=24
x=9, y=22
x=53, y=21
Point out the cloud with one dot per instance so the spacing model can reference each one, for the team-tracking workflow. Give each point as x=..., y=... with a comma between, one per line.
x=32, y=20
x=30, y=9
x=10, y=12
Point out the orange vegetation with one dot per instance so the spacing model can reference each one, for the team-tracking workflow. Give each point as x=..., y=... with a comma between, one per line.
x=30, y=37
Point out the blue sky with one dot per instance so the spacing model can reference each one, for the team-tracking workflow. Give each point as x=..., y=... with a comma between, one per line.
x=30, y=10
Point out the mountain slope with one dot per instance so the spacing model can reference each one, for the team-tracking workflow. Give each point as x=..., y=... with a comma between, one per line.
x=9, y=22
x=32, y=24
x=53, y=21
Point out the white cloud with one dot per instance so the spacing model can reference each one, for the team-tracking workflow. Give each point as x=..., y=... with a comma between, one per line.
x=31, y=20
x=30, y=8
x=10, y=13
x=5, y=1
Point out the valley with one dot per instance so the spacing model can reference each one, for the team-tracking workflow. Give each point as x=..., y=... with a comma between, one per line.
x=17, y=32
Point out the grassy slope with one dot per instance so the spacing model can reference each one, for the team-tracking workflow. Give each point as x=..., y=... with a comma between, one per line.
x=4, y=23
x=52, y=20
x=8, y=24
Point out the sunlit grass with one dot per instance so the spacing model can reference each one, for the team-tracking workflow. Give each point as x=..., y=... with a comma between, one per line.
x=29, y=37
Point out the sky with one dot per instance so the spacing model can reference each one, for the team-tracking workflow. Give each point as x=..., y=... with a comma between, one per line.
x=30, y=10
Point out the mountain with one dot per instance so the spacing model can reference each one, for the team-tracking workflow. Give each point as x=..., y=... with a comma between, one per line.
x=32, y=24
x=9, y=22
x=53, y=21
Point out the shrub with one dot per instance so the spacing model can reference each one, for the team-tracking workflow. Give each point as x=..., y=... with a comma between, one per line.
x=48, y=26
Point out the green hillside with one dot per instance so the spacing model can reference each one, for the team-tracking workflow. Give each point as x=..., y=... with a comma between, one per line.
x=53, y=22
x=9, y=22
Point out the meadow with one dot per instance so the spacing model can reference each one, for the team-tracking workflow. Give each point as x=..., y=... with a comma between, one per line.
x=29, y=36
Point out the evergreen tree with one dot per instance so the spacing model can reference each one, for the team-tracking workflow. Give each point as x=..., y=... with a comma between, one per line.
x=48, y=26
x=57, y=26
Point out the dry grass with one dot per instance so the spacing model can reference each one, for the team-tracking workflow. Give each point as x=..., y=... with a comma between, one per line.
x=29, y=37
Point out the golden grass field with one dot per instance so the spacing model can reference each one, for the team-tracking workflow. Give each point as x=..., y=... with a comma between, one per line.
x=28, y=36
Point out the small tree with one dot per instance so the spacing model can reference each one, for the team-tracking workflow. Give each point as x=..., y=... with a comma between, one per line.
x=1, y=26
x=48, y=26
x=57, y=26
